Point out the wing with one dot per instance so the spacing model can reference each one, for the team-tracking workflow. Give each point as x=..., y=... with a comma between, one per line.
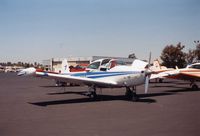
x=169, y=73
x=185, y=74
x=192, y=75
x=78, y=80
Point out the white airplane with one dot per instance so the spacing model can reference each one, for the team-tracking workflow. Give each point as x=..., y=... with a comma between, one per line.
x=104, y=64
x=116, y=77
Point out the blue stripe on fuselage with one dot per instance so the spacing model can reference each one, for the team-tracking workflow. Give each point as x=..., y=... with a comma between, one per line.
x=104, y=74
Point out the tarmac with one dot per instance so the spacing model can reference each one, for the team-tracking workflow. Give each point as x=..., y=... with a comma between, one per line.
x=31, y=106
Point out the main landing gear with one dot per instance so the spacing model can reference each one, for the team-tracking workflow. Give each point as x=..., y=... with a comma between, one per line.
x=92, y=93
x=131, y=94
x=194, y=86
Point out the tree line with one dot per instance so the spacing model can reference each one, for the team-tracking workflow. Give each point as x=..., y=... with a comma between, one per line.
x=21, y=64
x=174, y=55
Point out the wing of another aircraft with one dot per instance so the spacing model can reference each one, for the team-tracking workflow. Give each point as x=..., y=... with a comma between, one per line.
x=168, y=73
x=190, y=74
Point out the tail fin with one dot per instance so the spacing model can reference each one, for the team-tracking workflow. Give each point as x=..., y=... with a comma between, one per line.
x=156, y=65
x=139, y=64
x=65, y=66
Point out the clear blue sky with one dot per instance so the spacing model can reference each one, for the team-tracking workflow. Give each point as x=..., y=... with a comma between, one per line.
x=34, y=30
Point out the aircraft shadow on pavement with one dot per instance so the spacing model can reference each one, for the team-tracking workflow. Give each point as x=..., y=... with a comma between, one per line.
x=168, y=86
x=182, y=90
x=89, y=100
x=69, y=92
x=143, y=98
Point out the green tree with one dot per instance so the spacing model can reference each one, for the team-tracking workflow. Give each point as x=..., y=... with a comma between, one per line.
x=191, y=56
x=197, y=51
x=173, y=56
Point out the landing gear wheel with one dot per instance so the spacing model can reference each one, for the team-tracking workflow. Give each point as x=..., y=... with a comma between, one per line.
x=135, y=97
x=93, y=95
x=195, y=87
x=131, y=94
x=160, y=80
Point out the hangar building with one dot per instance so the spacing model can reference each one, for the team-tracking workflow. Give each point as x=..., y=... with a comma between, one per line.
x=54, y=64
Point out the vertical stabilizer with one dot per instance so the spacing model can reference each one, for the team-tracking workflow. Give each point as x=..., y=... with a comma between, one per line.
x=156, y=65
x=65, y=66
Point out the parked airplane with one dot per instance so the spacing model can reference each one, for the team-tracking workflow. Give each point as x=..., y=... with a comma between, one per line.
x=156, y=67
x=95, y=66
x=99, y=65
x=190, y=73
x=116, y=77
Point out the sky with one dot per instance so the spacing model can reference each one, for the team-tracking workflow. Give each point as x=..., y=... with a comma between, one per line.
x=35, y=30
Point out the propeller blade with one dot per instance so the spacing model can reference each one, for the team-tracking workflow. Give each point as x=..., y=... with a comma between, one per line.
x=146, y=84
x=149, y=58
x=148, y=72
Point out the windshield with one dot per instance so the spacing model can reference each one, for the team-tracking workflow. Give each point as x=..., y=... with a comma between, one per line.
x=94, y=65
x=195, y=66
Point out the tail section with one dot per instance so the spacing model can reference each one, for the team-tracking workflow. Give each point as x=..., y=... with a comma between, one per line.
x=156, y=65
x=65, y=66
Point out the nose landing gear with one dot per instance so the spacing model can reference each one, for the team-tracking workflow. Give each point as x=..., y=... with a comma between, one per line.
x=131, y=94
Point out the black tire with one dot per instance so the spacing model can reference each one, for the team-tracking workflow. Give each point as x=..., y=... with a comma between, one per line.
x=129, y=94
x=195, y=87
x=160, y=80
x=135, y=97
x=93, y=95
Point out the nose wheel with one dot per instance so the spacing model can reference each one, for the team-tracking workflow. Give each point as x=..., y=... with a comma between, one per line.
x=131, y=94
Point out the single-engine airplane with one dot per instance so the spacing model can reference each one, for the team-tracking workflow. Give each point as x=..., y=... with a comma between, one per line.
x=190, y=73
x=116, y=77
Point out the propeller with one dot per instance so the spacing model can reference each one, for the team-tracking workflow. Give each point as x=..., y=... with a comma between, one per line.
x=27, y=71
x=147, y=74
x=146, y=83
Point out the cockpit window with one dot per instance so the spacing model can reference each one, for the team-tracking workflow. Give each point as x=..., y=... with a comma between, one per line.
x=195, y=66
x=94, y=65
x=105, y=61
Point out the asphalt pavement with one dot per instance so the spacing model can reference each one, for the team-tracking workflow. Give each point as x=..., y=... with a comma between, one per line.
x=35, y=107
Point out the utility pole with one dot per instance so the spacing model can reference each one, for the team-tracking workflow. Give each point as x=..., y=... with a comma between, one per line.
x=197, y=51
